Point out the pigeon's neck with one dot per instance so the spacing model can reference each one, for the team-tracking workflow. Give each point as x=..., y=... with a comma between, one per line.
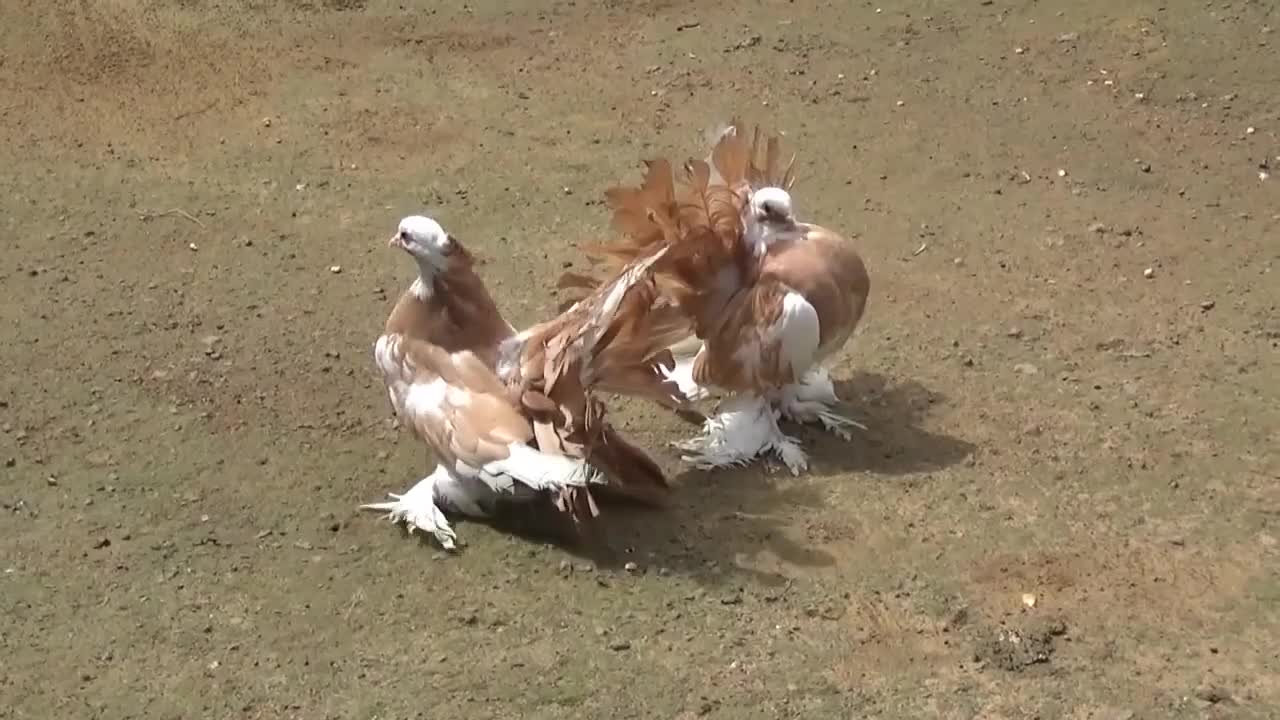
x=424, y=286
x=764, y=235
x=457, y=286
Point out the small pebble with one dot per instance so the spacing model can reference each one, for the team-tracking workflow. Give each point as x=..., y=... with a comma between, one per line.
x=266, y=122
x=1026, y=369
x=619, y=645
x=1250, y=130
x=1207, y=305
x=900, y=103
x=1062, y=173
x=1149, y=273
x=631, y=567
x=335, y=269
x=192, y=246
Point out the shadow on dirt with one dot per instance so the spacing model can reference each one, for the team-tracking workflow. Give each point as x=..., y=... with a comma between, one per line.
x=893, y=443
x=717, y=519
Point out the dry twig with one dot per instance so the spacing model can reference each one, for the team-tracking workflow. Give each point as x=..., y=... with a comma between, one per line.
x=175, y=211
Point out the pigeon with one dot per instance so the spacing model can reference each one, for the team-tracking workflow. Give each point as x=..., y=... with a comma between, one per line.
x=768, y=298
x=512, y=416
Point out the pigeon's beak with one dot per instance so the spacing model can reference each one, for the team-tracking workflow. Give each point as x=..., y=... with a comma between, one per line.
x=395, y=241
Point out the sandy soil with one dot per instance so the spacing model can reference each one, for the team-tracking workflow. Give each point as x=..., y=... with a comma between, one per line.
x=191, y=415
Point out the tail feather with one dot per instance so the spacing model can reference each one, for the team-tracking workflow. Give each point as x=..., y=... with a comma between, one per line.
x=736, y=160
x=612, y=340
x=685, y=236
x=698, y=218
x=543, y=471
x=633, y=474
x=579, y=504
x=633, y=210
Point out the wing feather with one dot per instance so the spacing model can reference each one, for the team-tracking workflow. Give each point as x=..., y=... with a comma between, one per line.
x=769, y=337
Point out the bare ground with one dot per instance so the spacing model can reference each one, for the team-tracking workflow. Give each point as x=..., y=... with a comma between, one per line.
x=190, y=414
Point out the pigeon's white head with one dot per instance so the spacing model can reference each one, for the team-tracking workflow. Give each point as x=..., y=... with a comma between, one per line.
x=772, y=206
x=770, y=218
x=425, y=240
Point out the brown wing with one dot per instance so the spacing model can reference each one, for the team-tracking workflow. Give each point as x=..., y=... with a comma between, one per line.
x=611, y=340
x=458, y=406
x=452, y=401
x=767, y=337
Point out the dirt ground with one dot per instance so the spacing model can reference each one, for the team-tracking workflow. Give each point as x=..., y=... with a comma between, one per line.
x=1069, y=365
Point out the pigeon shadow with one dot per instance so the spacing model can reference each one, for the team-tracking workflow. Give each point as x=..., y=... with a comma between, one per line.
x=893, y=444
x=714, y=523
x=722, y=525
x=720, y=518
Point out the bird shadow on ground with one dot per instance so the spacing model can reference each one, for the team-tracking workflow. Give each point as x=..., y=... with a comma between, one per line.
x=893, y=443
x=718, y=519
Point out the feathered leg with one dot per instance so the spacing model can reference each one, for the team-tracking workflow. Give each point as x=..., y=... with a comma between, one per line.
x=420, y=507
x=743, y=428
x=810, y=401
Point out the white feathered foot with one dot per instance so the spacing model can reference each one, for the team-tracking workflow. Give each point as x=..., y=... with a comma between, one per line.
x=810, y=401
x=420, y=508
x=741, y=429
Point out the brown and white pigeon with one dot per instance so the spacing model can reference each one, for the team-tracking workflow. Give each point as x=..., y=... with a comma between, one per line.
x=768, y=298
x=511, y=416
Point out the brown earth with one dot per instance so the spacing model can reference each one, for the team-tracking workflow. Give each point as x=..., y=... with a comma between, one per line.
x=191, y=414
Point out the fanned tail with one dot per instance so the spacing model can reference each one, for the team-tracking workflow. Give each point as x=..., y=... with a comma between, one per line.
x=610, y=340
x=738, y=161
x=697, y=218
